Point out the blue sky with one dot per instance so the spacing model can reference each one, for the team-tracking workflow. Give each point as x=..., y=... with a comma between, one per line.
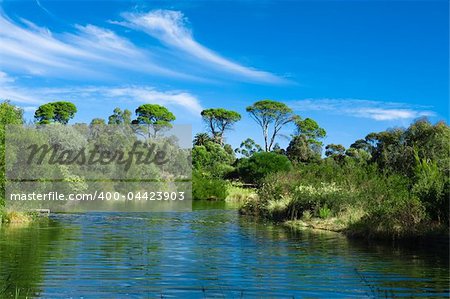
x=354, y=66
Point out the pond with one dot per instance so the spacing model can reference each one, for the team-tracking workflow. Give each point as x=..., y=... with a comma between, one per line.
x=211, y=252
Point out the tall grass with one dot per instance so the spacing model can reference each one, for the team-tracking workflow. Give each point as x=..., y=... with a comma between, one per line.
x=357, y=198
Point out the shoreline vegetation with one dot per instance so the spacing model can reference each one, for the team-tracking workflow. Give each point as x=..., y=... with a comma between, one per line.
x=356, y=200
x=389, y=185
x=17, y=218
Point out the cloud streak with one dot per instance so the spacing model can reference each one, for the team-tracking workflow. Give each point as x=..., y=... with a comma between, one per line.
x=379, y=111
x=119, y=94
x=170, y=28
x=27, y=48
x=30, y=49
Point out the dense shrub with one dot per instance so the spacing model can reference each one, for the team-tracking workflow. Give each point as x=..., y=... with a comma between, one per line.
x=212, y=159
x=390, y=207
x=431, y=186
x=208, y=188
x=258, y=166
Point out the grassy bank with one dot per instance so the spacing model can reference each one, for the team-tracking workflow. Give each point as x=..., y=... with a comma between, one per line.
x=19, y=218
x=238, y=193
x=357, y=200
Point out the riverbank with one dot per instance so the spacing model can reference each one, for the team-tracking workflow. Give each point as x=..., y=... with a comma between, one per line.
x=353, y=222
x=19, y=218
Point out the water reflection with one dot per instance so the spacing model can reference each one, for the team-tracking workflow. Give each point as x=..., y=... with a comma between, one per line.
x=24, y=252
x=210, y=252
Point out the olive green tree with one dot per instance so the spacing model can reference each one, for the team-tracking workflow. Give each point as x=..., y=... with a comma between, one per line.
x=271, y=116
x=120, y=117
x=55, y=112
x=218, y=120
x=154, y=118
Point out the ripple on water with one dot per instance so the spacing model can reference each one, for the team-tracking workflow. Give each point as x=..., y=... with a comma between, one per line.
x=207, y=253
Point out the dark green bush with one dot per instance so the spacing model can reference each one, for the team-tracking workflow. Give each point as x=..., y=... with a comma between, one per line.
x=208, y=187
x=258, y=166
x=212, y=159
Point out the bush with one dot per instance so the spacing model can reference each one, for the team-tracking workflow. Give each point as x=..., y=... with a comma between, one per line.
x=237, y=193
x=212, y=159
x=324, y=212
x=258, y=166
x=311, y=187
x=431, y=186
x=329, y=195
x=208, y=188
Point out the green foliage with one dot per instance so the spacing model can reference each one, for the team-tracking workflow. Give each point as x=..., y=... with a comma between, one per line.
x=393, y=205
x=360, y=155
x=218, y=120
x=421, y=154
x=97, y=122
x=392, y=211
x=9, y=115
x=76, y=184
x=400, y=178
x=334, y=150
x=300, y=190
x=248, y=147
x=211, y=163
x=59, y=112
x=237, y=193
x=432, y=187
x=324, y=212
x=361, y=144
x=258, y=166
x=269, y=113
x=212, y=160
x=309, y=128
x=201, y=139
x=120, y=117
x=305, y=146
x=302, y=150
x=208, y=188
x=154, y=117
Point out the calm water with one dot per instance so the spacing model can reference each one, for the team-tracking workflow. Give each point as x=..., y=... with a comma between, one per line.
x=208, y=253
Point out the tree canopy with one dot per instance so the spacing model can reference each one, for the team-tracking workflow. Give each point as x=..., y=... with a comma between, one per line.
x=269, y=113
x=300, y=149
x=120, y=117
x=59, y=112
x=201, y=139
x=335, y=151
x=309, y=128
x=248, y=147
x=219, y=120
x=155, y=117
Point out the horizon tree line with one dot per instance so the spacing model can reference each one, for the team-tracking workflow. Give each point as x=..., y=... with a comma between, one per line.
x=271, y=116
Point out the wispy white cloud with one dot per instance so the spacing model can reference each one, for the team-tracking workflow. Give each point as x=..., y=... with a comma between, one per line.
x=28, y=48
x=150, y=95
x=376, y=110
x=181, y=100
x=170, y=28
x=5, y=78
x=43, y=8
x=9, y=91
